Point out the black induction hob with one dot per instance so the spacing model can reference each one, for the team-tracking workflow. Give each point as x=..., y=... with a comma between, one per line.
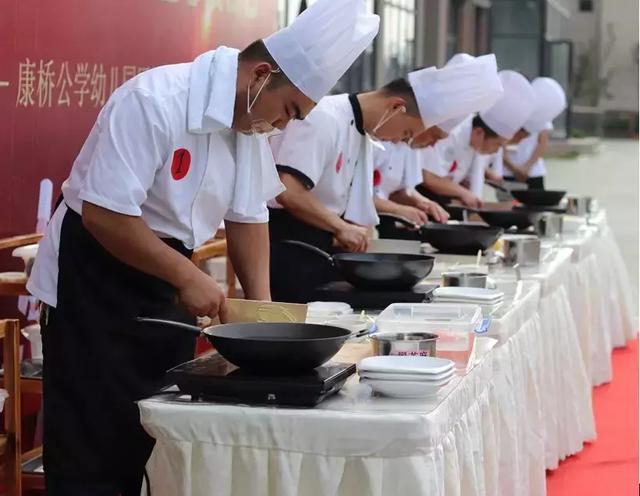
x=363, y=299
x=212, y=378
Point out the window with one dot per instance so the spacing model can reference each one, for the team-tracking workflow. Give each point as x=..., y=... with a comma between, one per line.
x=398, y=37
x=586, y=5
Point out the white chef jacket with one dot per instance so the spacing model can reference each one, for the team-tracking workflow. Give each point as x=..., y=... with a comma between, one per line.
x=395, y=168
x=454, y=158
x=519, y=154
x=140, y=160
x=325, y=152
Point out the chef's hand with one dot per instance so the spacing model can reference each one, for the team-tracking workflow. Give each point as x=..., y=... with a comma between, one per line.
x=433, y=210
x=352, y=238
x=415, y=215
x=470, y=200
x=201, y=295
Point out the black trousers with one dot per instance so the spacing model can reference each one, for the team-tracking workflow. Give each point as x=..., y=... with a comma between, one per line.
x=98, y=362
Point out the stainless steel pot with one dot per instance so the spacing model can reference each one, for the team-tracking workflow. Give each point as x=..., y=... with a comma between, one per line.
x=464, y=279
x=580, y=205
x=404, y=343
x=548, y=225
x=521, y=249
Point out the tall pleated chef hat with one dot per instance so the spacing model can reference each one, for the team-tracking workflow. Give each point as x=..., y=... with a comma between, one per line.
x=510, y=112
x=322, y=43
x=465, y=85
x=550, y=102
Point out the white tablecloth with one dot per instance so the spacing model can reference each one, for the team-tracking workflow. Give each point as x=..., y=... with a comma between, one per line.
x=524, y=407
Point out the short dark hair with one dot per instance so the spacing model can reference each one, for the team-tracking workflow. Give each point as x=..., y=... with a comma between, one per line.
x=257, y=52
x=401, y=87
x=478, y=122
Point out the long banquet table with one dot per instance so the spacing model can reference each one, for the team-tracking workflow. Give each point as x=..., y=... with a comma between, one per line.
x=522, y=407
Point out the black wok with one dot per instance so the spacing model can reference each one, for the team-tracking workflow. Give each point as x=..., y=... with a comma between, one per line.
x=538, y=197
x=521, y=219
x=378, y=270
x=269, y=347
x=460, y=239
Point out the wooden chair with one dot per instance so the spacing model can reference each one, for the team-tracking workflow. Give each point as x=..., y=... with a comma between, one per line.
x=21, y=470
x=213, y=249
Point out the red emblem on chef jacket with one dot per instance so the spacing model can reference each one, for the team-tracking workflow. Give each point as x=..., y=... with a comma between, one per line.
x=377, y=178
x=454, y=166
x=180, y=164
x=339, y=163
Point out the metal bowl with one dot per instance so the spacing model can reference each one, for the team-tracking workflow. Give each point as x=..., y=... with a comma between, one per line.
x=405, y=343
x=464, y=279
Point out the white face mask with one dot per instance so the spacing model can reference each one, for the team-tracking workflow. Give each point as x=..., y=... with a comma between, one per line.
x=386, y=117
x=258, y=126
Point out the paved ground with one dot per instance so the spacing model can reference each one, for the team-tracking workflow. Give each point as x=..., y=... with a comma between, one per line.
x=612, y=176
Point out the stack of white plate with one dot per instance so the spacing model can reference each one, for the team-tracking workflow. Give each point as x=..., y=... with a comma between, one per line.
x=488, y=299
x=406, y=376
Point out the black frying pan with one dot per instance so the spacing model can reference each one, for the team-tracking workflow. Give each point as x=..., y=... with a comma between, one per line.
x=521, y=219
x=269, y=347
x=538, y=197
x=460, y=239
x=377, y=270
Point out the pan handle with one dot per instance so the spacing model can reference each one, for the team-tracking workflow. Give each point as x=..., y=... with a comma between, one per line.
x=402, y=220
x=171, y=323
x=497, y=186
x=309, y=247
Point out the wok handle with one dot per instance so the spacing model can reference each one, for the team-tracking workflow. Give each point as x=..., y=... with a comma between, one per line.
x=309, y=247
x=497, y=186
x=402, y=220
x=171, y=323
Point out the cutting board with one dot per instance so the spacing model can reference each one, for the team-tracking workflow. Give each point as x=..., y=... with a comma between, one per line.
x=263, y=311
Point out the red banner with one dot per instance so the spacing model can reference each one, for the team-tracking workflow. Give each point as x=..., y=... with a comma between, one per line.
x=61, y=59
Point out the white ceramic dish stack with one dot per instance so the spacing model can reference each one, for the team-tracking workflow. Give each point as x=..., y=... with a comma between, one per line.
x=406, y=376
x=489, y=300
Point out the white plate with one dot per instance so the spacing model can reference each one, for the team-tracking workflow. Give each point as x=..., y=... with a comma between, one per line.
x=406, y=365
x=405, y=389
x=386, y=376
x=468, y=294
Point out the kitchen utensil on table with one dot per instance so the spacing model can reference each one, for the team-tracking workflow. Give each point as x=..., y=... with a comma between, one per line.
x=461, y=239
x=372, y=299
x=405, y=344
x=377, y=270
x=239, y=310
x=464, y=279
x=506, y=219
x=539, y=197
x=415, y=366
x=522, y=249
x=580, y=205
x=548, y=225
x=269, y=347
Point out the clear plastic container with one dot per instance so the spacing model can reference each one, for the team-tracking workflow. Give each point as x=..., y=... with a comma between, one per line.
x=453, y=323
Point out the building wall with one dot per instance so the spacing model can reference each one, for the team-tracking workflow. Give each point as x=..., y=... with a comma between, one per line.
x=619, y=55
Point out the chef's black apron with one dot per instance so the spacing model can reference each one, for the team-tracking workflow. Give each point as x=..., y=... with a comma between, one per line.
x=98, y=362
x=295, y=272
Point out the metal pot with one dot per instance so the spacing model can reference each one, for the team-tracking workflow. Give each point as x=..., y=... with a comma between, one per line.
x=580, y=205
x=548, y=225
x=464, y=279
x=405, y=344
x=520, y=249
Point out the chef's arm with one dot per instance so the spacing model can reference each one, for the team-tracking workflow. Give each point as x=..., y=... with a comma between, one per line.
x=538, y=152
x=415, y=215
x=519, y=172
x=302, y=204
x=445, y=187
x=130, y=240
x=492, y=176
x=414, y=199
x=248, y=249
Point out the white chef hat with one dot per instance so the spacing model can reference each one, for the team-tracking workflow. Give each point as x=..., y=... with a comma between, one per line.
x=322, y=43
x=550, y=102
x=465, y=85
x=510, y=112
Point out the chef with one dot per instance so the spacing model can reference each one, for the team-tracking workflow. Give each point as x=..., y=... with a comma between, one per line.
x=455, y=167
x=174, y=152
x=523, y=162
x=466, y=84
x=326, y=164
